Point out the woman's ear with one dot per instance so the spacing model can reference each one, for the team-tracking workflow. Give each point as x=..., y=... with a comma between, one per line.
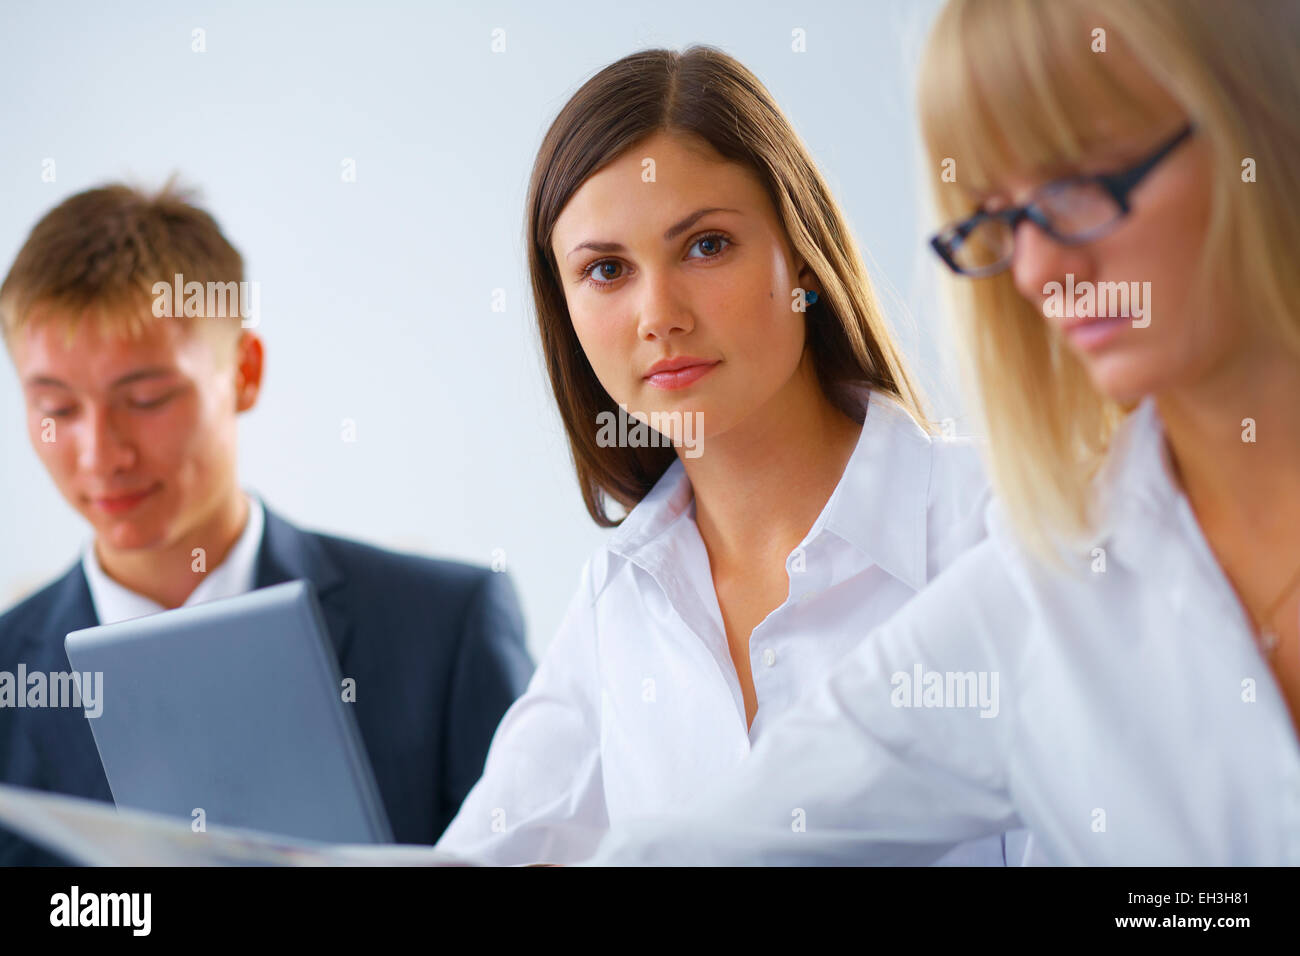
x=807, y=278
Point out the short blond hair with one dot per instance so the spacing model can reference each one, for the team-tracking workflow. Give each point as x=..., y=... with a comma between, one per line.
x=1010, y=85
x=98, y=254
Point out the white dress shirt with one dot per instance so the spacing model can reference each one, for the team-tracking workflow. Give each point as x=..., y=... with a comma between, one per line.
x=1138, y=722
x=637, y=707
x=235, y=575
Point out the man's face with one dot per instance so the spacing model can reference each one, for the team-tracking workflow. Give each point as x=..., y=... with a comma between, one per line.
x=138, y=434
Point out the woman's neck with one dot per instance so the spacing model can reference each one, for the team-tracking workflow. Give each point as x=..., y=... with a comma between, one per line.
x=1235, y=440
x=1235, y=444
x=763, y=483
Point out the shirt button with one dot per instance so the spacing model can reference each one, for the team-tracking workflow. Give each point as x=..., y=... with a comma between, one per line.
x=807, y=596
x=769, y=657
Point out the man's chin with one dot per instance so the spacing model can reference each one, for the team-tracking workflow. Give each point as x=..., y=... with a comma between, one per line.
x=129, y=535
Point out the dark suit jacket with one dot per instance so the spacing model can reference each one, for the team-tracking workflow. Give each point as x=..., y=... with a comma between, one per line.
x=436, y=649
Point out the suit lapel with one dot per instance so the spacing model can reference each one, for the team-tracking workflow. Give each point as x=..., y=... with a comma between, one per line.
x=64, y=744
x=288, y=554
x=73, y=610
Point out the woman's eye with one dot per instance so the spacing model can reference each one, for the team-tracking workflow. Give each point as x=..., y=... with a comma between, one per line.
x=603, y=272
x=709, y=246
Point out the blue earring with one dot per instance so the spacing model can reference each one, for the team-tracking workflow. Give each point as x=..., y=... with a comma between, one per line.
x=810, y=297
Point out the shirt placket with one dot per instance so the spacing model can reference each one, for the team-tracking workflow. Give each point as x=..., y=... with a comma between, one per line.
x=808, y=571
x=695, y=605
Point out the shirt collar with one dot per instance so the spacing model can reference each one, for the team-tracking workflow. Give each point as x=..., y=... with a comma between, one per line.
x=1136, y=477
x=1140, y=505
x=233, y=576
x=879, y=505
x=1136, y=508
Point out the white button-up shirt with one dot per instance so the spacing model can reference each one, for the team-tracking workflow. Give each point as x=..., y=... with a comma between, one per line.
x=233, y=576
x=637, y=707
x=1137, y=722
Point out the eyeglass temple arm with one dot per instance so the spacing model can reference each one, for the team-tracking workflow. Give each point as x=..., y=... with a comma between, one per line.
x=1121, y=184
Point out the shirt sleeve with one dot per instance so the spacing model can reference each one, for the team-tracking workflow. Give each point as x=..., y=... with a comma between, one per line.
x=492, y=670
x=541, y=797
x=957, y=502
x=876, y=764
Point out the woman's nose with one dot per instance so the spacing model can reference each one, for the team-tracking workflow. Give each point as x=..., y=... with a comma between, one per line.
x=664, y=312
x=1039, y=259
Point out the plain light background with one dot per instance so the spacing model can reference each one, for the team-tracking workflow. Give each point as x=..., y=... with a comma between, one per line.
x=376, y=295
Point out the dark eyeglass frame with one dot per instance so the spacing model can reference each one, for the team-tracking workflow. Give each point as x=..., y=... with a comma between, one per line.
x=1118, y=185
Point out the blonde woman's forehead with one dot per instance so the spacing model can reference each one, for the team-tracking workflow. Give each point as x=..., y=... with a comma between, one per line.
x=1103, y=155
x=1011, y=104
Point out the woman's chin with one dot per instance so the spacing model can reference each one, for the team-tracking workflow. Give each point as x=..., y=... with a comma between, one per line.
x=1124, y=382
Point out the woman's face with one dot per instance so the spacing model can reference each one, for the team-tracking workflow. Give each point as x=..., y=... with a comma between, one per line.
x=1170, y=336
x=672, y=256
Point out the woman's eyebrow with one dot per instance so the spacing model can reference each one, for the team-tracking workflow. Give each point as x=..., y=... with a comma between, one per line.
x=672, y=232
x=596, y=246
x=1040, y=175
x=675, y=230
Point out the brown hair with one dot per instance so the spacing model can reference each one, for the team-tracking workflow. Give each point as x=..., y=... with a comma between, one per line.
x=707, y=93
x=97, y=255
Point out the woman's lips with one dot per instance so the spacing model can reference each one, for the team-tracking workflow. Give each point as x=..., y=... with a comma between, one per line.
x=675, y=378
x=1094, y=333
x=119, y=504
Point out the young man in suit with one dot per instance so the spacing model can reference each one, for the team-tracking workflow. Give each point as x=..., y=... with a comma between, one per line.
x=132, y=396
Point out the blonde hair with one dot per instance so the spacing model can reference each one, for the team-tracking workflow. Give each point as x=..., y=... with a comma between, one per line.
x=96, y=256
x=1014, y=85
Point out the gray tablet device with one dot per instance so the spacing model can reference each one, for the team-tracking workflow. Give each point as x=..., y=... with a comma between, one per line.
x=234, y=708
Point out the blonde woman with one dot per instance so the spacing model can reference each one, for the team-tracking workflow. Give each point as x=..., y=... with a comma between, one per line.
x=1139, y=594
x=690, y=269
